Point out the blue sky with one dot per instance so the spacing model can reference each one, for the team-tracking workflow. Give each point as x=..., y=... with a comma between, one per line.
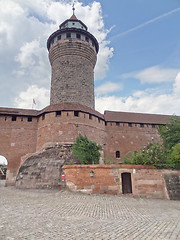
x=138, y=67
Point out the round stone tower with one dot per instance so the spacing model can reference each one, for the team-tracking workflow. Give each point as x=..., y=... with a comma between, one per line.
x=72, y=54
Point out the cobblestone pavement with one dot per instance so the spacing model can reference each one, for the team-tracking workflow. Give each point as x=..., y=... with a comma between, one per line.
x=58, y=215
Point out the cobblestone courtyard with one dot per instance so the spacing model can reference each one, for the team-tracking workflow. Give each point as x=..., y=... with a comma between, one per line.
x=35, y=215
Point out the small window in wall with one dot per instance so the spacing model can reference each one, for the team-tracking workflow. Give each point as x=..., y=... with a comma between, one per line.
x=76, y=113
x=105, y=123
x=59, y=37
x=99, y=120
x=117, y=124
x=58, y=113
x=13, y=118
x=5, y=118
x=78, y=36
x=68, y=35
x=87, y=39
x=73, y=23
x=117, y=154
x=29, y=119
x=22, y=119
x=130, y=124
x=141, y=125
x=43, y=116
x=90, y=116
x=153, y=125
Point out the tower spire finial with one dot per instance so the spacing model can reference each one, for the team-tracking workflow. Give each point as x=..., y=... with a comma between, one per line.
x=73, y=8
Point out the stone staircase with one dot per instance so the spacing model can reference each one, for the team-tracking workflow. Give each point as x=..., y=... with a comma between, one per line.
x=173, y=185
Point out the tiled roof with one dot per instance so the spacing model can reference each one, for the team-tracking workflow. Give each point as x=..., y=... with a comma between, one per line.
x=64, y=106
x=109, y=116
x=51, y=108
x=112, y=116
x=18, y=111
x=73, y=17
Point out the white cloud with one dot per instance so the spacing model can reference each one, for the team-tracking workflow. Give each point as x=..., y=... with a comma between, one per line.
x=176, y=85
x=24, y=29
x=155, y=74
x=108, y=87
x=25, y=98
x=3, y=160
x=148, y=101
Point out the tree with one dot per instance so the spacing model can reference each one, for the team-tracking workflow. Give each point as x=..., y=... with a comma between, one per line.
x=170, y=133
x=174, y=156
x=86, y=151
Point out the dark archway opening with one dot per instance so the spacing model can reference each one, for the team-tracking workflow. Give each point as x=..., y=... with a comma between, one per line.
x=126, y=183
x=3, y=167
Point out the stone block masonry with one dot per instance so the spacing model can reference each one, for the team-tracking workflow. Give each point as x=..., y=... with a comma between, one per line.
x=72, y=79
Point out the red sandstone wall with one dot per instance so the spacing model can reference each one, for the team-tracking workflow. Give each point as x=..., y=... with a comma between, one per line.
x=124, y=138
x=146, y=181
x=17, y=138
x=65, y=128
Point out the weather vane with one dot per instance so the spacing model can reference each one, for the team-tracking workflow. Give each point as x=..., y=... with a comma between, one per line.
x=73, y=8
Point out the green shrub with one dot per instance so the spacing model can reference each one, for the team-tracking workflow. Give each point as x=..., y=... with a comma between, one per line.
x=86, y=151
x=149, y=155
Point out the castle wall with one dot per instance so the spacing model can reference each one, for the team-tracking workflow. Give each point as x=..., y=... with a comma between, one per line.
x=125, y=137
x=64, y=126
x=17, y=138
x=145, y=181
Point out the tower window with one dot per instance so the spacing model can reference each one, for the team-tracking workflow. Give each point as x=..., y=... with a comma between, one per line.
x=87, y=39
x=43, y=116
x=78, y=36
x=117, y=123
x=29, y=119
x=130, y=124
x=58, y=113
x=68, y=35
x=141, y=125
x=59, y=37
x=153, y=126
x=90, y=116
x=13, y=118
x=117, y=154
x=76, y=113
